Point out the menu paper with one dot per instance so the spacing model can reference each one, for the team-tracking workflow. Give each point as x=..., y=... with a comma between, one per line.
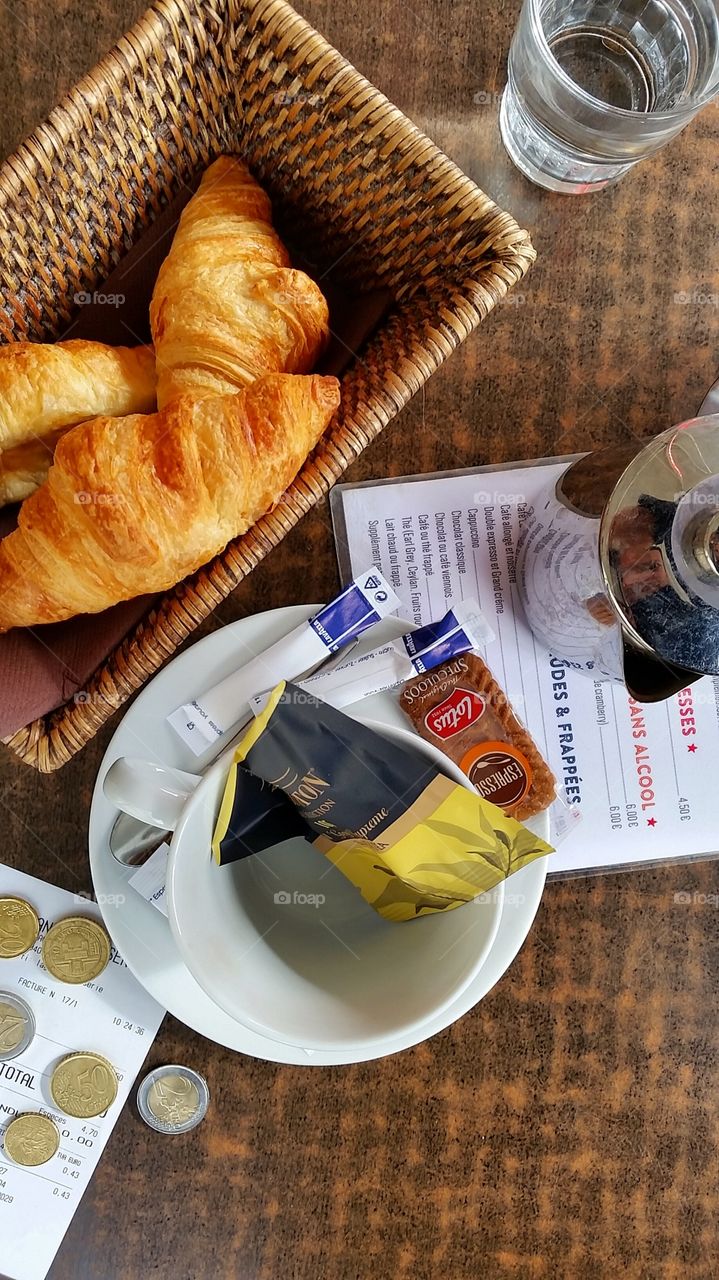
x=113, y=1016
x=638, y=774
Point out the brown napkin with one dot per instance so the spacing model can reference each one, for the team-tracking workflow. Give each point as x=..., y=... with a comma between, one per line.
x=43, y=668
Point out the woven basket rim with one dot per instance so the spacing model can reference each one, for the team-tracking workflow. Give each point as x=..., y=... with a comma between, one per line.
x=50, y=741
x=33, y=150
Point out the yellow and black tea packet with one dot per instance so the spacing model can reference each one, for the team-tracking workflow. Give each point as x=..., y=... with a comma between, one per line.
x=411, y=840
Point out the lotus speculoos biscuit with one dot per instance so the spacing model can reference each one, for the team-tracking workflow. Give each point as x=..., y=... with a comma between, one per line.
x=461, y=709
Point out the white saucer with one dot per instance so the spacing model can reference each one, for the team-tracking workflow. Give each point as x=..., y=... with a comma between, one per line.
x=142, y=933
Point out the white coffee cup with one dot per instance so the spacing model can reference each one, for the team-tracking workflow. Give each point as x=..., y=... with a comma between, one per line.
x=152, y=793
x=286, y=945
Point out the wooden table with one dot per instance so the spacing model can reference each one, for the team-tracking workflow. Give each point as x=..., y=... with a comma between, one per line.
x=569, y=1125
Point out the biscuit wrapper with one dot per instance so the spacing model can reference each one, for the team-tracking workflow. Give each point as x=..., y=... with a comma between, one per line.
x=460, y=708
x=409, y=838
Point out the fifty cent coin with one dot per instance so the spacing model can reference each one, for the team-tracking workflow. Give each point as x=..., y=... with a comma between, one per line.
x=19, y=927
x=31, y=1139
x=83, y=1085
x=76, y=949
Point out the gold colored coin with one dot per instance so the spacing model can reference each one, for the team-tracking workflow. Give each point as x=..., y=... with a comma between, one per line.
x=31, y=1139
x=174, y=1099
x=76, y=949
x=84, y=1085
x=19, y=927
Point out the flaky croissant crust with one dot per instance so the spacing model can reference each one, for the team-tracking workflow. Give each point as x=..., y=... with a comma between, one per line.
x=134, y=505
x=45, y=388
x=227, y=306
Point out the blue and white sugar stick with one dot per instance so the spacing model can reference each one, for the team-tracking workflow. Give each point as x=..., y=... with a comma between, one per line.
x=208, y=718
x=460, y=630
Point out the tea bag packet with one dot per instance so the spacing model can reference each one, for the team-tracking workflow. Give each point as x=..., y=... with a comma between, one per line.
x=412, y=841
x=253, y=817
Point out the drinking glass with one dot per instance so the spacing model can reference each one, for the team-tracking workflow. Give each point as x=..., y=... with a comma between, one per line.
x=596, y=85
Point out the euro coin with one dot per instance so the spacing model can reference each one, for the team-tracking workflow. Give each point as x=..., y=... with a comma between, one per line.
x=83, y=1085
x=19, y=927
x=173, y=1099
x=76, y=950
x=17, y=1026
x=31, y=1139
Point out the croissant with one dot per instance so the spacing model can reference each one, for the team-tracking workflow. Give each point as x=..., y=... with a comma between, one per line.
x=46, y=388
x=135, y=504
x=227, y=307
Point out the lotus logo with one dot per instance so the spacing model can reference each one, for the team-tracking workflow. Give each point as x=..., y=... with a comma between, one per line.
x=457, y=712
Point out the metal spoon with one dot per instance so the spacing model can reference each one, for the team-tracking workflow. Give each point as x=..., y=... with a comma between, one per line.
x=133, y=842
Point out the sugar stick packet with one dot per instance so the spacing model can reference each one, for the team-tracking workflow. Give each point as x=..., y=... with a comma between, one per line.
x=204, y=721
x=463, y=628
x=409, y=838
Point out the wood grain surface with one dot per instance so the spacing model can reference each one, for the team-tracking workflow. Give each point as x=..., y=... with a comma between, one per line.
x=569, y=1125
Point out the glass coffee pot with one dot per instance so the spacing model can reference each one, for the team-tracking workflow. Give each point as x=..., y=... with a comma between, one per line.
x=618, y=565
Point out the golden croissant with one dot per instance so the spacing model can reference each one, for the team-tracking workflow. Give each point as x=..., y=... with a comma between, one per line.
x=227, y=307
x=45, y=388
x=133, y=505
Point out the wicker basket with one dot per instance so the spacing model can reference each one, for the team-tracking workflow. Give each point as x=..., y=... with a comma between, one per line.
x=362, y=187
